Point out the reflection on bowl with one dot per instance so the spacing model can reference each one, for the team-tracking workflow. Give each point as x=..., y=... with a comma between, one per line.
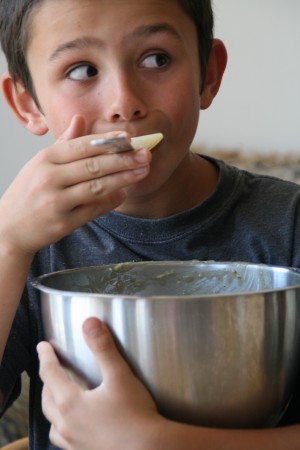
x=215, y=343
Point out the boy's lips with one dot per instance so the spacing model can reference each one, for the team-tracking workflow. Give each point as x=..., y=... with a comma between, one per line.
x=119, y=144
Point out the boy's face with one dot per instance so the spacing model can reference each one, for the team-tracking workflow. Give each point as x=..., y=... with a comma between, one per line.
x=123, y=64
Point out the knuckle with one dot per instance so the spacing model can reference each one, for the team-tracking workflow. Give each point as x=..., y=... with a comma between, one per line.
x=92, y=166
x=65, y=403
x=45, y=180
x=43, y=371
x=53, y=435
x=79, y=147
x=96, y=187
x=47, y=370
x=64, y=431
x=50, y=203
x=44, y=155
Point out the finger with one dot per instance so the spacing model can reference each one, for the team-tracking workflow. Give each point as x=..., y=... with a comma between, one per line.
x=118, y=144
x=80, y=144
x=96, y=167
x=101, y=343
x=51, y=372
x=76, y=128
x=56, y=438
x=48, y=359
x=51, y=411
x=97, y=190
x=58, y=394
x=78, y=148
x=48, y=405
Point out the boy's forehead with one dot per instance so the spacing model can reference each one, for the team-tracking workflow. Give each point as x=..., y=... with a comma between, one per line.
x=63, y=18
x=52, y=9
x=60, y=5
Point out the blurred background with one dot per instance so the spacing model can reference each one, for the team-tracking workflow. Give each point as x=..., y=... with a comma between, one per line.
x=255, y=111
x=256, y=108
x=252, y=122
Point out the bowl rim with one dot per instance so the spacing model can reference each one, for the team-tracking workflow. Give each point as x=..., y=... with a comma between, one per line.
x=38, y=281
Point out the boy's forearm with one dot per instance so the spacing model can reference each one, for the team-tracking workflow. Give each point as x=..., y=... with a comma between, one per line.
x=14, y=268
x=177, y=436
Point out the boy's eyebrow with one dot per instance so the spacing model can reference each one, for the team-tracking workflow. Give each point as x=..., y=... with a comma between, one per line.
x=76, y=44
x=88, y=42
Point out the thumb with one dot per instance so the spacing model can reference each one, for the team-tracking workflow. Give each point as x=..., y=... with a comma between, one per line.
x=76, y=128
x=101, y=343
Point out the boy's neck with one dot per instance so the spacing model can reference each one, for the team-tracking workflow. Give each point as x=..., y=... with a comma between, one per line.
x=185, y=190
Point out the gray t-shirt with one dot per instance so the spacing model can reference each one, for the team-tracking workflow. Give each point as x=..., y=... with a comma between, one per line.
x=249, y=217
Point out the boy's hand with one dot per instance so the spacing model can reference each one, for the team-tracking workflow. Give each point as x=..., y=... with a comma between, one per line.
x=118, y=414
x=65, y=186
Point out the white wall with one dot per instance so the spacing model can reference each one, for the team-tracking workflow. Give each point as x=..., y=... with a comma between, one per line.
x=257, y=106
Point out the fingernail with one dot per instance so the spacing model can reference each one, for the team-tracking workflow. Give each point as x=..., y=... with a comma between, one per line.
x=140, y=171
x=93, y=327
x=141, y=156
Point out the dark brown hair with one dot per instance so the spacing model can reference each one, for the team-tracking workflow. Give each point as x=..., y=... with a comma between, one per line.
x=201, y=13
x=15, y=18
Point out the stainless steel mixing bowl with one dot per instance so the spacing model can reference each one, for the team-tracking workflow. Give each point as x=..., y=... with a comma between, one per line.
x=215, y=343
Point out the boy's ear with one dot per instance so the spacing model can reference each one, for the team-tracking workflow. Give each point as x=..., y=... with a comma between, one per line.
x=215, y=69
x=23, y=105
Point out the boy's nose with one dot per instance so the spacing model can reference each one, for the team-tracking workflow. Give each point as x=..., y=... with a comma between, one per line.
x=124, y=100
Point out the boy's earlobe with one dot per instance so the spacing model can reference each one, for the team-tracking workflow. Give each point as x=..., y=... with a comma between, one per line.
x=23, y=106
x=215, y=69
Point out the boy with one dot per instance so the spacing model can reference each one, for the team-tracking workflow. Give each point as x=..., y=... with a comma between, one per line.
x=89, y=69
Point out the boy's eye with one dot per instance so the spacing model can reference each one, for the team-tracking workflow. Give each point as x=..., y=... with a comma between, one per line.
x=82, y=73
x=156, y=60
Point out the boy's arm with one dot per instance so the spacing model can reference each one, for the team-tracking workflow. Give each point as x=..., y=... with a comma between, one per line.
x=14, y=267
x=61, y=188
x=181, y=437
x=13, y=272
x=121, y=414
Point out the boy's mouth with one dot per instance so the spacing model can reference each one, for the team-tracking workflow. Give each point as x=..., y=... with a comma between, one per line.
x=119, y=144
